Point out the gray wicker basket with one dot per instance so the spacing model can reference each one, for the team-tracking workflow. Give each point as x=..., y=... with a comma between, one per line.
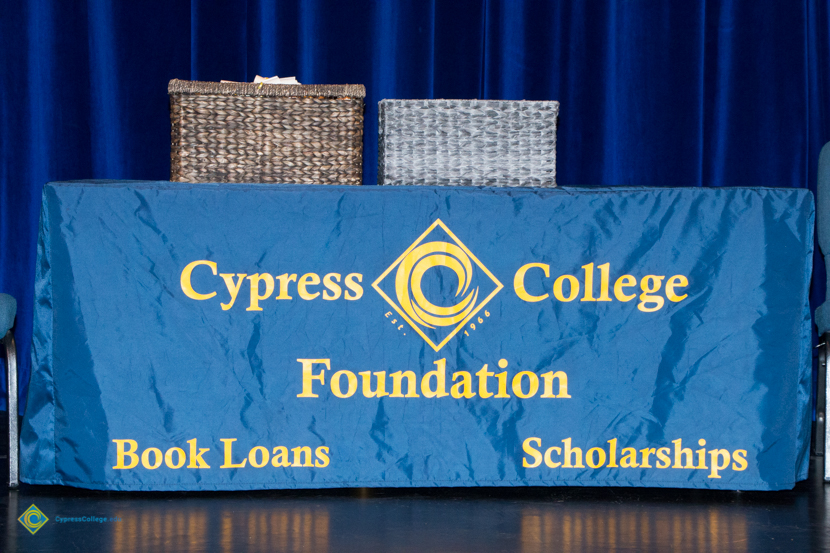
x=467, y=142
x=245, y=132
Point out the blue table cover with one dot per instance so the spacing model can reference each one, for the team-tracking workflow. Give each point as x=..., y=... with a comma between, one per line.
x=220, y=337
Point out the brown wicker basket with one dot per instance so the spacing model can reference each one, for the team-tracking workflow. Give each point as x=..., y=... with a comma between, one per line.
x=245, y=132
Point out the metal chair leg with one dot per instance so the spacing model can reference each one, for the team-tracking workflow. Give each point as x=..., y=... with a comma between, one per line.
x=14, y=436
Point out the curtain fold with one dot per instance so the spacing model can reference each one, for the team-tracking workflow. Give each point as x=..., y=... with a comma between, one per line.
x=672, y=94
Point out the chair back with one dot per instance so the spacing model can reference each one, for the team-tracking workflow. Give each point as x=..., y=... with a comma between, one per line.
x=823, y=224
x=8, y=309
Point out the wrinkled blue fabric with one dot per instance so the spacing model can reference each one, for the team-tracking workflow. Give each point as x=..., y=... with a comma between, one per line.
x=728, y=93
x=128, y=347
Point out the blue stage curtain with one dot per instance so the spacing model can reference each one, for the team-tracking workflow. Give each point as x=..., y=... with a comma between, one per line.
x=705, y=93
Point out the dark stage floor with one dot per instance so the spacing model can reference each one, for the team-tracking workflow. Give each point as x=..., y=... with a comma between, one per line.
x=475, y=520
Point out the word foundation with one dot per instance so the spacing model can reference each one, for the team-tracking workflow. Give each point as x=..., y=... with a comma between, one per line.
x=344, y=383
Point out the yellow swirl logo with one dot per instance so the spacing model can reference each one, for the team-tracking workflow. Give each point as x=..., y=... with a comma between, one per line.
x=438, y=248
x=33, y=519
x=411, y=273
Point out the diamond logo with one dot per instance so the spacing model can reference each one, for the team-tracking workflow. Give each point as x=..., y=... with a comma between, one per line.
x=33, y=519
x=437, y=285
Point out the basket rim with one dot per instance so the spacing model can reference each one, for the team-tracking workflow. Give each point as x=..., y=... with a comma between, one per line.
x=427, y=101
x=178, y=86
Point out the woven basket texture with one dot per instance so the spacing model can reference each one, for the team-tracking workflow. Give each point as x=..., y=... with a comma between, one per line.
x=245, y=132
x=467, y=142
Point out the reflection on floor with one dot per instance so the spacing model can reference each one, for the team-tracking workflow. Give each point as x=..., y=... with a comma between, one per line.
x=528, y=520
